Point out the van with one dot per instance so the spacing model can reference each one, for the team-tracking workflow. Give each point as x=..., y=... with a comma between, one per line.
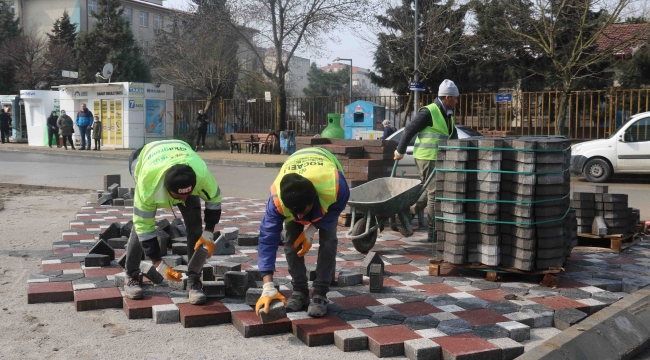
x=627, y=151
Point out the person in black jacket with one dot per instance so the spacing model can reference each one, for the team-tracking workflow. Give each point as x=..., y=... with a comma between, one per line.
x=202, y=128
x=5, y=120
x=52, y=129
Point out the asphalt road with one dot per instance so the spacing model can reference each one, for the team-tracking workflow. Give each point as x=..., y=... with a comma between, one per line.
x=87, y=173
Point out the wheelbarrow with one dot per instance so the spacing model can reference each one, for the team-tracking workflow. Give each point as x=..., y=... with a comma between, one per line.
x=383, y=201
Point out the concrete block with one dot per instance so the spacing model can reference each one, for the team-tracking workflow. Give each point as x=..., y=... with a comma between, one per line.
x=223, y=246
x=422, y=349
x=118, y=243
x=163, y=241
x=252, y=295
x=97, y=260
x=583, y=196
x=112, y=179
x=521, y=317
x=165, y=314
x=173, y=260
x=599, y=226
x=615, y=198
x=128, y=202
x=510, y=349
x=231, y=233
x=517, y=331
x=147, y=269
x=371, y=258
x=248, y=239
x=122, y=260
x=600, y=189
x=207, y=273
x=101, y=247
x=197, y=261
x=179, y=249
x=565, y=318
x=112, y=189
x=350, y=340
x=349, y=278
x=222, y=267
x=236, y=283
x=276, y=312
x=214, y=289
x=376, y=274
x=120, y=279
x=113, y=231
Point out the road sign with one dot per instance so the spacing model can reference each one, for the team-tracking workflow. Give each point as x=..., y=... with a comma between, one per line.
x=267, y=96
x=416, y=86
x=504, y=98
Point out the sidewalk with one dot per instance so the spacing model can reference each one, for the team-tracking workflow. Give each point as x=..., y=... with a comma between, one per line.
x=211, y=157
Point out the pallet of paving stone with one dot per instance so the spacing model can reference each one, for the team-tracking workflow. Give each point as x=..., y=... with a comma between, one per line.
x=492, y=272
x=607, y=243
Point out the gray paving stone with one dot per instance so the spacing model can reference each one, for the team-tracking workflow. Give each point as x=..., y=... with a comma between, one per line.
x=575, y=294
x=565, y=318
x=422, y=349
x=522, y=317
x=516, y=331
x=165, y=314
x=503, y=307
x=607, y=297
x=351, y=340
x=490, y=331
x=540, y=318
x=510, y=349
x=455, y=326
x=421, y=322
x=441, y=300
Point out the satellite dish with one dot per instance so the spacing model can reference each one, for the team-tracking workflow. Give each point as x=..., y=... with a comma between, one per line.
x=108, y=71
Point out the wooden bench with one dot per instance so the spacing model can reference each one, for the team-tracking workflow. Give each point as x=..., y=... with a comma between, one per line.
x=236, y=140
x=254, y=142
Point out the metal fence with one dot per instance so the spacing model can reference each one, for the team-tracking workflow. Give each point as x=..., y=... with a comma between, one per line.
x=591, y=114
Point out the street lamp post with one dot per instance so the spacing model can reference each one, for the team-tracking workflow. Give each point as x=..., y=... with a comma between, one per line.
x=350, y=60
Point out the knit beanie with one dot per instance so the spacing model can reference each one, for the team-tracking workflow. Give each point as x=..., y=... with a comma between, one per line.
x=180, y=179
x=297, y=192
x=447, y=88
x=385, y=122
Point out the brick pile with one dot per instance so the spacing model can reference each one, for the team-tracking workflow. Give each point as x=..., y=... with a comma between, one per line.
x=531, y=191
x=113, y=193
x=619, y=218
x=362, y=160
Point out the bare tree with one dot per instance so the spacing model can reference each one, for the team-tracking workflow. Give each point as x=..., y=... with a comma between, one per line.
x=27, y=56
x=568, y=32
x=286, y=26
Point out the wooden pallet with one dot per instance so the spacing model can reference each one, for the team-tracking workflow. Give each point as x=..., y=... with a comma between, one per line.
x=608, y=243
x=492, y=272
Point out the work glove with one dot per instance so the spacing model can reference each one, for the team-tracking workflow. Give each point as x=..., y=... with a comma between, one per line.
x=206, y=239
x=269, y=293
x=305, y=239
x=398, y=156
x=168, y=273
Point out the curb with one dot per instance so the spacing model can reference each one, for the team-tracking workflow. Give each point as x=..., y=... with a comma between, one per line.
x=619, y=331
x=126, y=157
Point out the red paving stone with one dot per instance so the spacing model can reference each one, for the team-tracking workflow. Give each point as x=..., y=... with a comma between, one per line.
x=418, y=256
x=620, y=260
x=103, y=271
x=70, y=250
x=388, y=341
x=564, y=283
x=249, y=324
x=560, y=302
x=436, y=289
x=141, y=309
x=50, y=292
x=355, y=302
x=318, y=331
x=62, y=266
x=467, y=346
x=388, y=282
x=77, y=237
x=93, y=299
x=400, y=268
x=490, y=295
x=212, y=312
x=481, y=317
x=415, y=308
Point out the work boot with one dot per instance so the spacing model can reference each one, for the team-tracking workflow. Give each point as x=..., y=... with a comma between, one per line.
x=132, y=289
x=203, y=148
x=318, y=306
x=297, y=301
x=195, y=291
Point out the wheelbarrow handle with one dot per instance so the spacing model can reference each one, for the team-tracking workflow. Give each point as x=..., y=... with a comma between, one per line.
x=392, y=173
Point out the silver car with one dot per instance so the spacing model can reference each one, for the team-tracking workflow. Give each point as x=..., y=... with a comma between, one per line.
x=407, y=164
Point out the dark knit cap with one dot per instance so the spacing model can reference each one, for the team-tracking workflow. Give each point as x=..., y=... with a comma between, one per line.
x=180, y=179
x=297, y=192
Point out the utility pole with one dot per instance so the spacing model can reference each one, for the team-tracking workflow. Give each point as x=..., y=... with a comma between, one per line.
x=416, y=76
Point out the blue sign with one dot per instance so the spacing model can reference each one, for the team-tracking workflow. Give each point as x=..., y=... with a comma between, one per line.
x=155, y=117
x=416, y=86
x=504, y=98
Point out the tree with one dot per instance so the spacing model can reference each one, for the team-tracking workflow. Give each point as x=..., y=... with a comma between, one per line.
x=64, y=32
x=61, y=52
x=635, y=71
x=110, y=41
x=322, y=83
x=26, y=55
x=198, y=52
x=9, y=29
x=287, y=26
x=567, y=32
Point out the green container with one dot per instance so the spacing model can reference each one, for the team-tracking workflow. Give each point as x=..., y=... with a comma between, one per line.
x=333, y=129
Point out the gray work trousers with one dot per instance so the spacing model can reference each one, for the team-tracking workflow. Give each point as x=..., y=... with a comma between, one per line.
x=325, y=264
x=427, y=199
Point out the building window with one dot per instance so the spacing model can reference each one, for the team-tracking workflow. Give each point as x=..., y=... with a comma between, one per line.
x=144, y=19
x=145, y=46
x=128, y=15
x=92, y=6
x=12, y=7
x=157, y=22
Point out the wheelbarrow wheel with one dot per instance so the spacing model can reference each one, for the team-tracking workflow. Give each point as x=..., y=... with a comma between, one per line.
x=364, y=244
x=403, y=223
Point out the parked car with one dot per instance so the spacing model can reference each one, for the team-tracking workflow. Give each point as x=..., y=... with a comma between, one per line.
x=627, y=151
x=407, y=164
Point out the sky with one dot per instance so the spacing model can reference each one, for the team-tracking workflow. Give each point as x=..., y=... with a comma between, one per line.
x=350, y=46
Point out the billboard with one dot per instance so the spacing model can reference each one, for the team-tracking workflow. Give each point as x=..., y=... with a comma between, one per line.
x=156, y=111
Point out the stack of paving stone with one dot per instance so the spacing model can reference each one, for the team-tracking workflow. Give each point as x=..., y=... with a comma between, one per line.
x=362, y=160
x=619, y=218
x=488, y=186
x=113, y=194
x=585, y=207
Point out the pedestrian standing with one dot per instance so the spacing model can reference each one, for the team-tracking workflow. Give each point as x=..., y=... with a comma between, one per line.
x=52, y=129
x=5, y=120
x=202, y=127
x=388, y=129
x=97, y=132
x=84, y=123
x=66, y=128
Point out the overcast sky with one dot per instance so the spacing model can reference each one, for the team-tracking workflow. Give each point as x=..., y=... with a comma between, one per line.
x=350, y=46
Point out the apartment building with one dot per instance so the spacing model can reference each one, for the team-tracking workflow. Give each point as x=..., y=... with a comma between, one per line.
x=360, y=78
x=296, y=78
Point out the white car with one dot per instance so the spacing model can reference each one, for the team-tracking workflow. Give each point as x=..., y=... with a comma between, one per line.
x=627, y=151
x=407, y=164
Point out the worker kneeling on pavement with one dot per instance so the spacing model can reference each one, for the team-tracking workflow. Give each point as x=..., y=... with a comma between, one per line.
x=168, y=173
x=432, y=123
x=308, y=195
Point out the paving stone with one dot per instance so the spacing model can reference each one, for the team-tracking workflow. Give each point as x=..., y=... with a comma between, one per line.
x=592, y=305
x=165, y=314
x=540, y=318
x=223, y=246
x=97, y=260
x=575, y=294
x=565, y=318
x=49, y=292
x=221, y=268
x=318, y=331
x=95, y=299
x=503, y=307
x=455, y=326
x=117, y=243
x=213, y=312
x=481, y=317
x=113, y=231
x=468, y=346
x=277, y=311
x=252, y=295
x=179, y=249
x=422, y=349
x=388, y=341
x=248, y=239
x=141, y=309
x=510, y=349
x=236, y=283
x=349, y=278
x=371, y=258
x=522, y=317
x=516, y=330
x=606, y=297
x=250, y=324
x=350, y=340
x=214, y=289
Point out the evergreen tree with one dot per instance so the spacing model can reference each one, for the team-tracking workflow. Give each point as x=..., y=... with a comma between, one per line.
x=110, y=41
x=9, y=29
x=64, y=32
x=323, y=83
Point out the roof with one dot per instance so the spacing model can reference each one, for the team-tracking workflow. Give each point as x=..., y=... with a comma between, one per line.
x=632, y=35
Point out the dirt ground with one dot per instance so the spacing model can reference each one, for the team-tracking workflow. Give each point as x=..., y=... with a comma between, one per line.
x=31, y=221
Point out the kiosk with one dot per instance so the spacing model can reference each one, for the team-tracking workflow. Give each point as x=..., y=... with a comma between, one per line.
x=13, y=105
x=132, y=114
x=38, y=106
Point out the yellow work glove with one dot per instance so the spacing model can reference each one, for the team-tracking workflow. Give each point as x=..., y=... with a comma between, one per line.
x=168, y=273
x=305, y=239
x=206, y=239
x=397, y=156
x=269, y=293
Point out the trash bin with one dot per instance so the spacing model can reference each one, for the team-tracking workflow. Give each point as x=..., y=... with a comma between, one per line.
x=333, y=129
